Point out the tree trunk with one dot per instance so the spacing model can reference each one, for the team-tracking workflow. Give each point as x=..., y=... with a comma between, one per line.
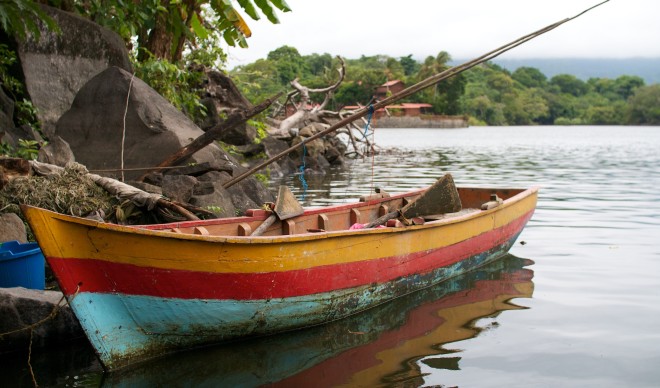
x=160, y=40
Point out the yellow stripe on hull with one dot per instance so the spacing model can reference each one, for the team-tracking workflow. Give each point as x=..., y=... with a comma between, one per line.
x=85, y=239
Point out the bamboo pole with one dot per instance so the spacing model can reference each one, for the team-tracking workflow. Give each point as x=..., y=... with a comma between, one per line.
x=432, y=80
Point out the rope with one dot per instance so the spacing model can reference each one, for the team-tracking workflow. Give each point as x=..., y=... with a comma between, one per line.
x=369, y=115
x=34, y=379
x=52, y=315
x=301, y=176
x=123, y=132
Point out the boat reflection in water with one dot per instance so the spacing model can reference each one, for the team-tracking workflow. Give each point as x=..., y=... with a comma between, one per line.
x=383, y=345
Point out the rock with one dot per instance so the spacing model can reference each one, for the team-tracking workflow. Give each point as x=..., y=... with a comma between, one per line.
x=224, y=92
x=224, y=98
x=154, y=129
x=251, y=150
x=56, y=152
x=273, y=147
x=154, y=178
x=200, y=169
x=178, y=187
x=212, y=196
x=248, y=194
x=239, y=135
x=12, y=228
x=333, y=155
x=25, y=132
x=20, y=307
x=144, y=186
x=58, y=65
x=256, y=191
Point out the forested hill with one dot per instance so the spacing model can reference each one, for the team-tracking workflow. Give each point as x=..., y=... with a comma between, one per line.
x=585, y=68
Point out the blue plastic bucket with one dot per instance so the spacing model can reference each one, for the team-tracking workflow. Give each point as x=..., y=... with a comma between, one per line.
x=22, y=265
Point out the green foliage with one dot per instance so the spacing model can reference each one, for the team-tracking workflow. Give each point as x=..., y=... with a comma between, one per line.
x=263, y=178
x=288, y=63
x=24, y=112
x=177, y=24
x=530, y=77
x=488, y=93
x=26, y=149
x=214, y=209
x=569, y=84
x=20, y=18
x=170, y=81
x=261, y=127
x=644, y=106
x=410, y=66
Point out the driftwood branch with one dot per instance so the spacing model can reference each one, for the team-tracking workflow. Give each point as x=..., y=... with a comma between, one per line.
x=430, y=81
x=303, y=114
x=234, y=120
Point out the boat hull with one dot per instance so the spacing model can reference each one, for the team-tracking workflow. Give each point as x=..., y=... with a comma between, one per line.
x=141, y=293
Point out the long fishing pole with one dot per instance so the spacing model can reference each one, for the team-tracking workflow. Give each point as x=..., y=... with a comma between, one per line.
x=432, y=80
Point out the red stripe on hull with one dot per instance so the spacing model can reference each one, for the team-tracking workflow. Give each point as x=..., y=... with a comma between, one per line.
x=107, y=277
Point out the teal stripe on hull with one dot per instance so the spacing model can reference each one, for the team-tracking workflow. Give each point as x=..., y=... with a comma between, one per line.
x=125, y=329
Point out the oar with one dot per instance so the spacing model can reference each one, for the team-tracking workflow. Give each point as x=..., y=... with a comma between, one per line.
x=442, y=197
x=286, y=206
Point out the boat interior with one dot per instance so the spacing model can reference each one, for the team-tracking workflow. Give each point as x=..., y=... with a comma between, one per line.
x=354, y=215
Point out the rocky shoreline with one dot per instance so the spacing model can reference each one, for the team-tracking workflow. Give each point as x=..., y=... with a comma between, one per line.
x=96, y=114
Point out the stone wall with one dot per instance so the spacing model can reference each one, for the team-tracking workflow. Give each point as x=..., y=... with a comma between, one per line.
x=422, y=122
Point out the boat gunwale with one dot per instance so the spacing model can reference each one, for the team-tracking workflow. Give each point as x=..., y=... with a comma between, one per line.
x=164, y=230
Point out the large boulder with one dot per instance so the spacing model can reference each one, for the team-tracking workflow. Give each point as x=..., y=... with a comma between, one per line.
x=115, y=110
x=57, y=65
x=21, y=308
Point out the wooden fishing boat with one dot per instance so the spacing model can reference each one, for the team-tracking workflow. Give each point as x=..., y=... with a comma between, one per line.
x=144, y=291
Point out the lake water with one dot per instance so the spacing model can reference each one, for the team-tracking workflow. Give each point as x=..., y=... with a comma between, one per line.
x=577, y=305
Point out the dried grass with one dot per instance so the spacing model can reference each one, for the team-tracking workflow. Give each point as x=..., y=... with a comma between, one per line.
x=70, y=193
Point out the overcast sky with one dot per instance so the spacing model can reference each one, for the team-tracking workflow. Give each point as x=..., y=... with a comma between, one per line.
x=463, y=28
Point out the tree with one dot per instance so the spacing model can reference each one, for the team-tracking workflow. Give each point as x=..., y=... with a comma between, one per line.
x=526, y=107
x=288, y=62
x=18, y=18
x=410, y=66
x=644, y=106
x=569, y=84
x=444, y=96
x=318, y=64
x=530, y=77
x=626, y=85
x=164, y=28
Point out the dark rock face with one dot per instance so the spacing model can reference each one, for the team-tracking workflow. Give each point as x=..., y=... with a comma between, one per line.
x=223, y=97
x=56, y=152
x=20, y=307
x=210, y=194
x=58, y=65
x=153, y=129
x=178, y=187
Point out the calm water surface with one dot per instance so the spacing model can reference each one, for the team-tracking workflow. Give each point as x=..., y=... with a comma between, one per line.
x=578, y=305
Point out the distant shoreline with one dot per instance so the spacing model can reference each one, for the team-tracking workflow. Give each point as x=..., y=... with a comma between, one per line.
x=585, y=68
